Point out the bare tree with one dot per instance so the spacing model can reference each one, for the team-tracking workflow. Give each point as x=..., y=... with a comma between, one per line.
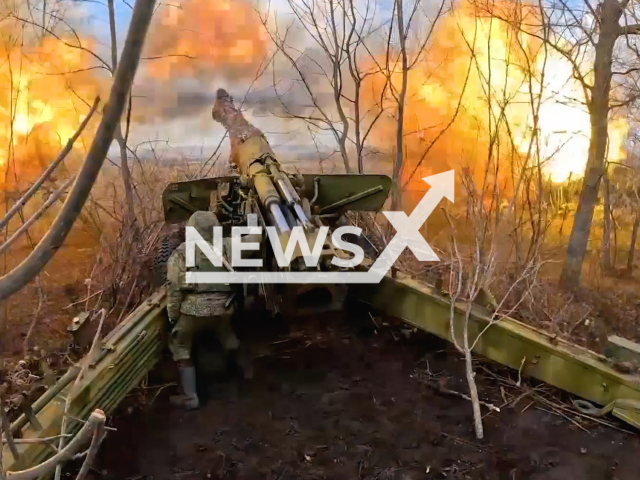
x=473, y=269
x=608, y=31
x=353, y=57
x=130, y=217
x=46, y=248
x=495, y=241
x=401, y=99
x=578, y=33
x=401, y=59
x=337, y=31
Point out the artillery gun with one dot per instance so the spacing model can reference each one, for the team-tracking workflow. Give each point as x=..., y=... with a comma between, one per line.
x=264, y=194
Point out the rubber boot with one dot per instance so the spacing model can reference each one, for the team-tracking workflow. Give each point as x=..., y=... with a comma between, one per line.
x=239, y=360
x=189, y=399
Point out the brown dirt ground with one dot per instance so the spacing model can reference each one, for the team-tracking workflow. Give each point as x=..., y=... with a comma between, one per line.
x=62, y=282
x=332, y=399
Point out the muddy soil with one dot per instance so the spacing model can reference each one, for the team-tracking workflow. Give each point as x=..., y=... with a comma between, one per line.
x=336, y=400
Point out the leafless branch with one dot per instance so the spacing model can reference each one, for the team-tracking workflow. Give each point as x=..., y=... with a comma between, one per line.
x=76, y=384
x=53, y=198
x=50, y=169
x=96, y=422
x=33, y=264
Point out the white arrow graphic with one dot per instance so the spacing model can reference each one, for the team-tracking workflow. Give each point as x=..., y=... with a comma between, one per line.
x=408, y=227
x=407, y=235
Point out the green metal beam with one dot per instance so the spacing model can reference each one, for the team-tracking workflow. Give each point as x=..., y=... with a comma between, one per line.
x=127, y=354
x=547, y=358
x=135, y=345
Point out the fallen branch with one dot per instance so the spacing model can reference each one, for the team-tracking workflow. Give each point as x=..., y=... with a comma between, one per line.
x=72, y=392
x=481, y=448
x=566, y=417
x=490, y=406
x=556, y=405
x=439, y=387
x=28, y=441
x=98, y=436
x=96, y=422
x=86, y=299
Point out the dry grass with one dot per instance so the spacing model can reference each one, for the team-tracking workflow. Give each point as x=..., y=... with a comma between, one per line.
x=102, y=264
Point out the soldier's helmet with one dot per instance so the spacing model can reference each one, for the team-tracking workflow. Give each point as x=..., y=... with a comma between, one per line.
x=204, y=223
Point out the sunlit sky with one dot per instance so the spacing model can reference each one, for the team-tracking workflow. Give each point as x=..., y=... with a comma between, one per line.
x=194, y=136
x=93, y=18
x=197, y=134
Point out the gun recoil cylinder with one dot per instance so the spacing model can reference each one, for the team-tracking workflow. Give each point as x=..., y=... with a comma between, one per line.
x=301, y=215
x=278, y=217
x=271, y=200
x=286, y=193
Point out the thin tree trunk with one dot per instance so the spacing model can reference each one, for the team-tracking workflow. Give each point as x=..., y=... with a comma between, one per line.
x=337, y=89
x=599, y=110
x=359, y=145
x=112, y=31
x=634, y=238
x=606, y=240
x=397, y=167
x=44, y=18
x=129, y=213
x=473, y=391
x=130, y=218
x=352, y=61
x=614, y=250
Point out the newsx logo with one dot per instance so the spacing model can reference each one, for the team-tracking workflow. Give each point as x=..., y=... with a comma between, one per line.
x=283, y=255
x=407, y=235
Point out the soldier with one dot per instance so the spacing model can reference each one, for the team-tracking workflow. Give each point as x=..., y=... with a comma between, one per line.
x=193, y=308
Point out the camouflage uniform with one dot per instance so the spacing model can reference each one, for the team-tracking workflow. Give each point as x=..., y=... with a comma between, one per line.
x=193, y=308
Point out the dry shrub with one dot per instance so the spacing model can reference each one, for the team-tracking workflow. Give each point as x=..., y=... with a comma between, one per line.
x=123, y=270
